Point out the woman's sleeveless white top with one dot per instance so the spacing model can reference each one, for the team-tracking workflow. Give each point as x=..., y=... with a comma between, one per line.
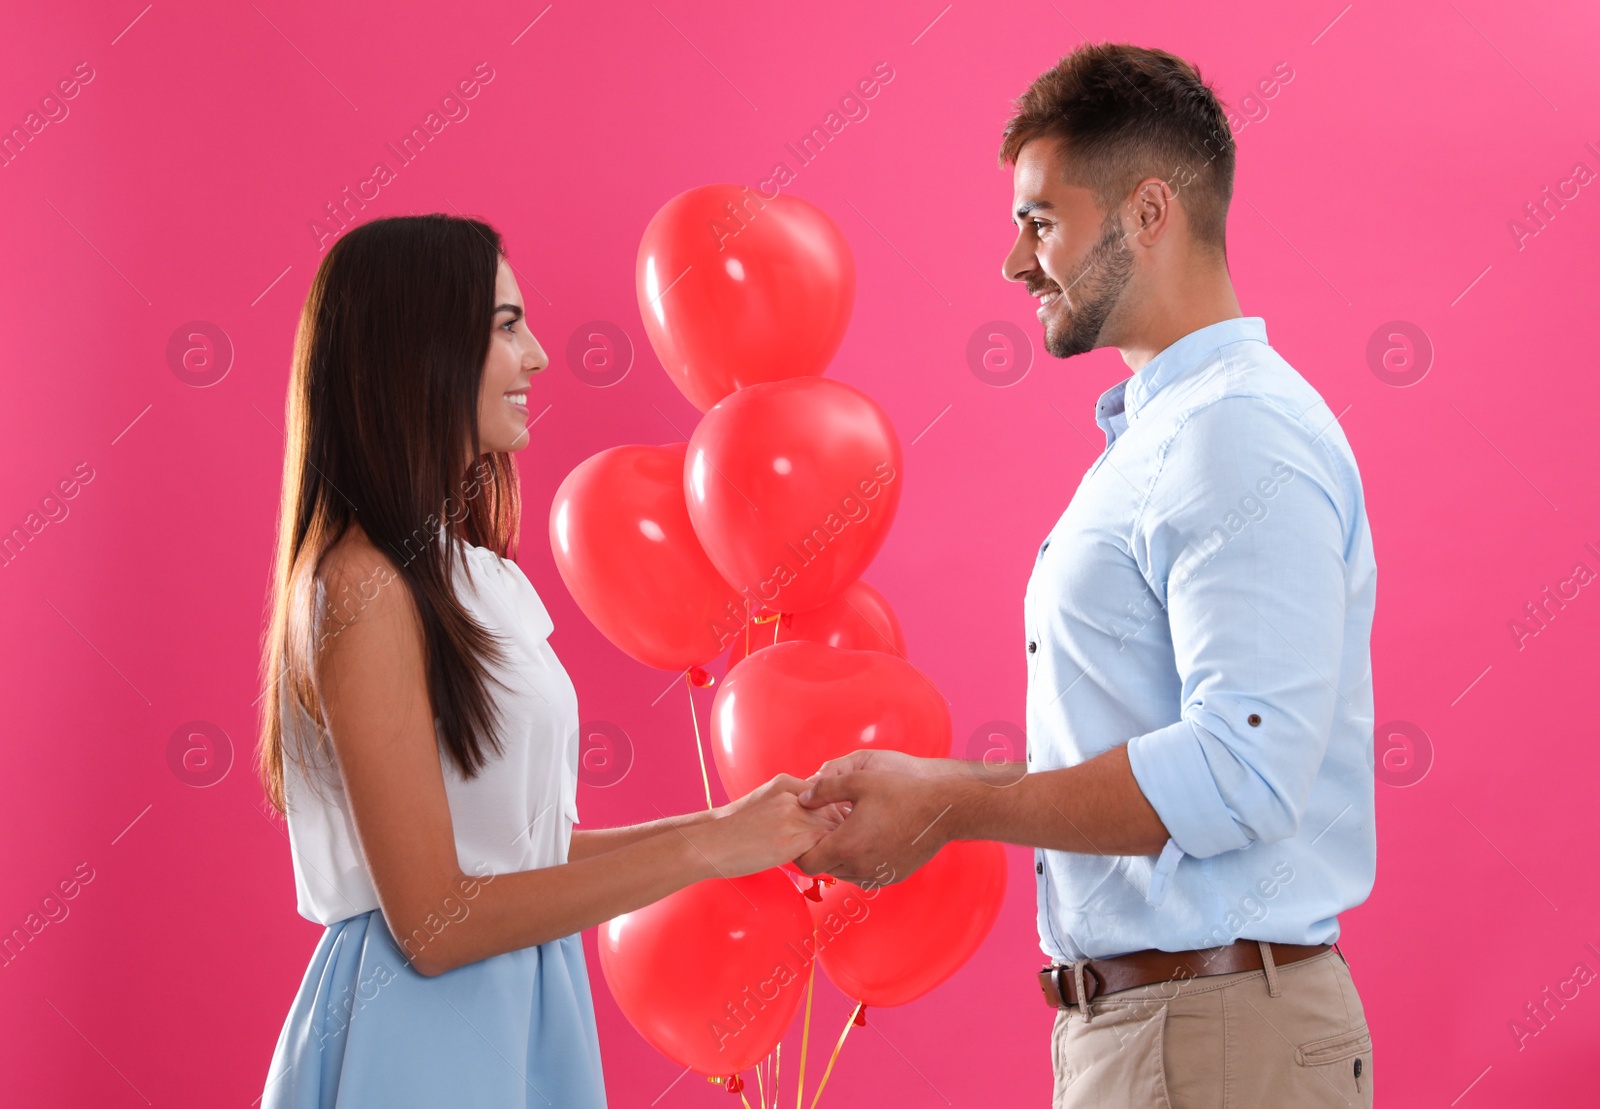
x=517, y=814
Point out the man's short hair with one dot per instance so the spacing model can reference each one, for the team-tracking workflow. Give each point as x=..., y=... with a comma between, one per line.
x=1124, y=113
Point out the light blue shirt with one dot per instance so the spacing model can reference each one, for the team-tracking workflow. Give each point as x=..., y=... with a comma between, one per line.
x=1207, y=599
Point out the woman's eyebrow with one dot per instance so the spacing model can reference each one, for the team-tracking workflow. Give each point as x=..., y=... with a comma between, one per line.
x=517, y=308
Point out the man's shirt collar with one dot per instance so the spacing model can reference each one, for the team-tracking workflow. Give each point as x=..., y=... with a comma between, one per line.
x=1121, y=403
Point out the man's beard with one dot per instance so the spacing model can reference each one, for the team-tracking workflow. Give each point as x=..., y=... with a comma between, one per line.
x=1095, y=290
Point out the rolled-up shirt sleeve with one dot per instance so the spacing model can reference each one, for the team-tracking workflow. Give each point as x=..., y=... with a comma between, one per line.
x=1243, y=539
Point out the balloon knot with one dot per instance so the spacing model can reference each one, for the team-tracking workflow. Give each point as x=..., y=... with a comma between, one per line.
x=786, y=619
x=699, y=677
x=735, y=1083
x=815, y=892
x=861, y=1017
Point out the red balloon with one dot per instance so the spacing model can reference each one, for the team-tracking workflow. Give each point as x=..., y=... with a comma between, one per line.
x=891, y=944
x=735, y=288
x=791, y=487
x=859, y=619
x=788, y=709
x=711, y=975
x=625, y=548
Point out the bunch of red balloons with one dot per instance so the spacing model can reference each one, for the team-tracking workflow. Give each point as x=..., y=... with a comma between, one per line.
x=751, y=539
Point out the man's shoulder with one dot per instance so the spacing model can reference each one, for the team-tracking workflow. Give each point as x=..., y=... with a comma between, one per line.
x=1249, y=389
x=1251, y=414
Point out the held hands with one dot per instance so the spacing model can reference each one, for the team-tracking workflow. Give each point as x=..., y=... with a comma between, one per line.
x=765, y=827
x=898, y=815
x=871, y=816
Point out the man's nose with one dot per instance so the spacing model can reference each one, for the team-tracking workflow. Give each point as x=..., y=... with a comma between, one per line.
x=1018, y=262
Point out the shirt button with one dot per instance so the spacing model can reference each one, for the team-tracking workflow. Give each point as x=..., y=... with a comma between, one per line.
x=1046, y=547
x=1032, y=647
x=1254, y=720
x=1038, y=868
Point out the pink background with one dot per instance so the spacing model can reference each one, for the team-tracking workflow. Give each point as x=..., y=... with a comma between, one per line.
x=1377, y=185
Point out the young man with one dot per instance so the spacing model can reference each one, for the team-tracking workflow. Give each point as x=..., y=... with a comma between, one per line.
x=1198, y=783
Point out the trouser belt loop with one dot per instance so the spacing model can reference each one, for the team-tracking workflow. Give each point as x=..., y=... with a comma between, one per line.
x=1270, y=967
x=1078, y=968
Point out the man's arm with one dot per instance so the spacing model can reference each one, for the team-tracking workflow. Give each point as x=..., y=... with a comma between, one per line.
x=901, y=814
x=1094, y=808
x=1257, y=623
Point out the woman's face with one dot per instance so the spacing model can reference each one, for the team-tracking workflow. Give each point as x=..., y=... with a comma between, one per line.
x=514, y=357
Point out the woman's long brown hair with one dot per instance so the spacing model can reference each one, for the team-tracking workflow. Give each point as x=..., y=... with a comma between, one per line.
x=382, y=414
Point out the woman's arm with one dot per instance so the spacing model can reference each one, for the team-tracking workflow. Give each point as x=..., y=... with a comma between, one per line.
x=588, y=842
x=373, y=683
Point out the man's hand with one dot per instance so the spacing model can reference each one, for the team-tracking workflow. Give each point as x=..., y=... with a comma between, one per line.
x=895, y=821
x=902, y=809
x=888, y=762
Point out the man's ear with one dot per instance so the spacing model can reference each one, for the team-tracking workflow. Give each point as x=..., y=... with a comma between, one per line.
x=1152, y=208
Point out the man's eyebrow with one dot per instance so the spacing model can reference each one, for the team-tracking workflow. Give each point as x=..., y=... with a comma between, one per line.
x=1023, y=210
x=510, y=308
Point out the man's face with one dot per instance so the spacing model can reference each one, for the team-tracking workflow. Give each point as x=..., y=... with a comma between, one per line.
x=1069, y=254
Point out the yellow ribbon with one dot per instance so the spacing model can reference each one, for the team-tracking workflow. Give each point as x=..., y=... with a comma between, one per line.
x=838, y=1047
x=775, y=619
x=699, y=748
x=805, y=1034
x=777, y=1071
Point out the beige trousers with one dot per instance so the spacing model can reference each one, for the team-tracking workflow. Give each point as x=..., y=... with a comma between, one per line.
x=1220, y=1042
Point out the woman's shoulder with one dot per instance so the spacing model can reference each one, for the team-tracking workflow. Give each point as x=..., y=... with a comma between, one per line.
x=353, y=557
x=354, y=578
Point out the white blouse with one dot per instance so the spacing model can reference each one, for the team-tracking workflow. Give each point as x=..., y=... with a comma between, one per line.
x=517, y=814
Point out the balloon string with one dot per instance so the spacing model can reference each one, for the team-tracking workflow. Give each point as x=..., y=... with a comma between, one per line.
x=699, y=748
x=777, y=1071
x=775, y=619
x=805, y=1034
x=744, y=1099
x=855, y=1016
x=761, y=1087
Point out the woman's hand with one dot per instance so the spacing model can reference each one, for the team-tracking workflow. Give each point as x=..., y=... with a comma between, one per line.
x=783, y=783
x=762, y=829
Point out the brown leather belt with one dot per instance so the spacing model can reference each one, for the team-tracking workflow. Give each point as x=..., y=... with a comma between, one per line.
x=1144, y=968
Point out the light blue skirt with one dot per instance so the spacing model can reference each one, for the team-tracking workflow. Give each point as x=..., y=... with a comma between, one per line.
x=366, y=1030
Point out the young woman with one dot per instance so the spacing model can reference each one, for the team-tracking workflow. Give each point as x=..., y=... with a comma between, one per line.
x=420, y=734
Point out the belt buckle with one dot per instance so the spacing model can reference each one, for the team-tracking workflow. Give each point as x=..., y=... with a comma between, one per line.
x=1053, y=971
x=1062, y=973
